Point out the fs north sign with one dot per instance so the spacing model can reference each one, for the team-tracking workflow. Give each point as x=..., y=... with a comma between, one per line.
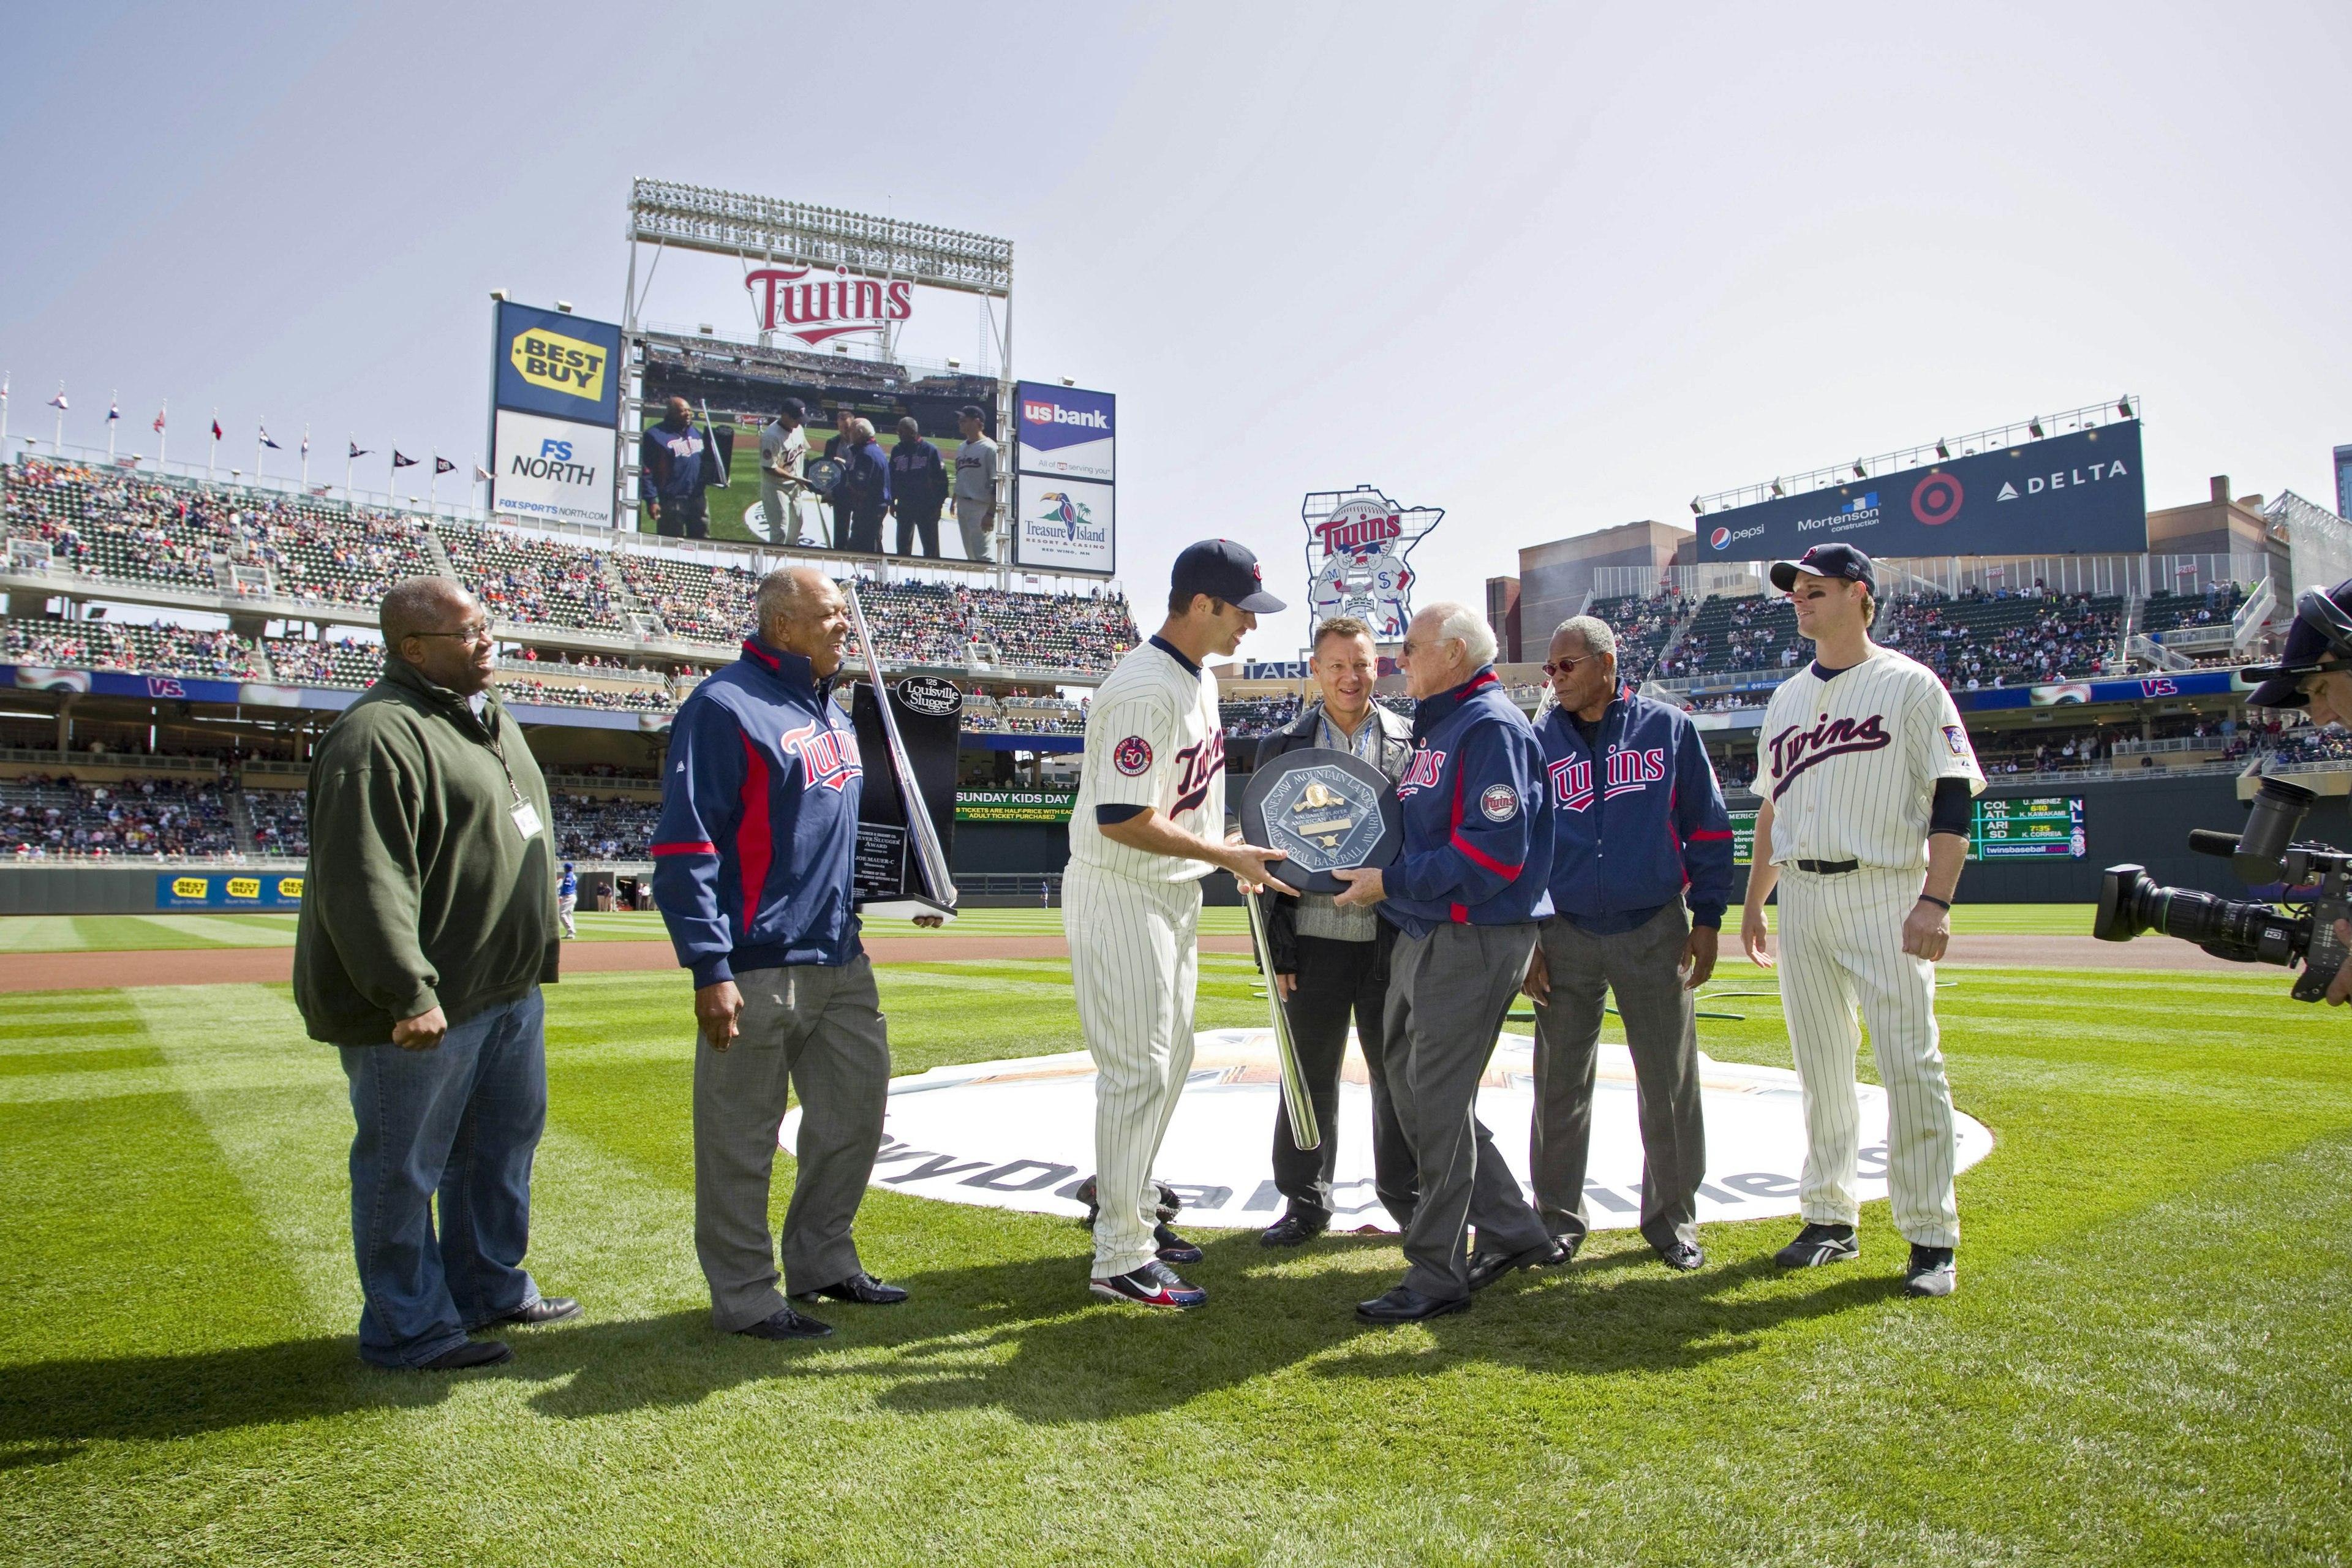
x=1356, y=546
x=551, y=469
x=2077, y=494
x=811, y=306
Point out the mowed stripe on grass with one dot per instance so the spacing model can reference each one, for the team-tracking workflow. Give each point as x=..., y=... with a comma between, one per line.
x=2145, y=1362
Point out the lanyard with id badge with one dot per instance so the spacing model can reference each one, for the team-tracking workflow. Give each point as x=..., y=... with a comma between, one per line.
x=525, y=814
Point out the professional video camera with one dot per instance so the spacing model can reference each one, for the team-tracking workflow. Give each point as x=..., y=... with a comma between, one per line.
x=2302, y=926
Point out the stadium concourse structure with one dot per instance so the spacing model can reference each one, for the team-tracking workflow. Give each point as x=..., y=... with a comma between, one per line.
x=174, y=647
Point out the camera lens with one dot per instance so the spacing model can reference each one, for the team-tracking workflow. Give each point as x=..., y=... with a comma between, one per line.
x=2278, y=810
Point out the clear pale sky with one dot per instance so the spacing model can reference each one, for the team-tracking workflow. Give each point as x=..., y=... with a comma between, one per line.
x=1551, y=267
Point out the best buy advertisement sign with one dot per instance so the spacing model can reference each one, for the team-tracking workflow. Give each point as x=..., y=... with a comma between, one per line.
x=227, y=890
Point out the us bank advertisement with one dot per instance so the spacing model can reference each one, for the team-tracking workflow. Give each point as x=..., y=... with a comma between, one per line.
x=1064, y=465
x=555, y=399
x=2077, y=494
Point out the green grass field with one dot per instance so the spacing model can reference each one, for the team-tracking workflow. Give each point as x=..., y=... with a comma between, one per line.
x=2146, y=1362
x=87, y=933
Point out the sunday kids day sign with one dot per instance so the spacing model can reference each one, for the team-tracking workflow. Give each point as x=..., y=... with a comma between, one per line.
x=1357, y=541
x=2074, y=494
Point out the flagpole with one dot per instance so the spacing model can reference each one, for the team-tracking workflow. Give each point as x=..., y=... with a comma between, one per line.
x=162, y=432
x=212, y=453
x=306, y=457
x=260, y=440
x=350, y=445
x=59, y=443
x=114, y=417
x=3, y=412
x=433, y=484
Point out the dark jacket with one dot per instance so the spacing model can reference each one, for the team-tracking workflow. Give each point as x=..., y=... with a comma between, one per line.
x=1477, y=831
x=1635, y=825
x=865, y=475
x=1282, y=909
x=919, y=478
x=758, y=820
x=676, y=463
x=421, y=891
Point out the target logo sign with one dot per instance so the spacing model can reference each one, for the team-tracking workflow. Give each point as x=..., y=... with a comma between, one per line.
x=1936, y=500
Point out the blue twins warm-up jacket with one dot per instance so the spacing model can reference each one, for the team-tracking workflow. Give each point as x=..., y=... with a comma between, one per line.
x=760, y=793
x=1477, y=838
x=1635, y=817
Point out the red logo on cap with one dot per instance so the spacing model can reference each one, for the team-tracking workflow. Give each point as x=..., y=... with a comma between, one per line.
x=1257, y=571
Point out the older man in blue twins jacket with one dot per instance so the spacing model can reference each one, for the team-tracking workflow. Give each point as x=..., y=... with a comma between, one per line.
x=1464, y=894
x=1641, y=872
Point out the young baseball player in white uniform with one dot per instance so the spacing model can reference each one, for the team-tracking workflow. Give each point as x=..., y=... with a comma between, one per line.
x=1149, y=823
x=1866, y=775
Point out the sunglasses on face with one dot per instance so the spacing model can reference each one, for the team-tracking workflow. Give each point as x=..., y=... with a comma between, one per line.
x=1565, y=666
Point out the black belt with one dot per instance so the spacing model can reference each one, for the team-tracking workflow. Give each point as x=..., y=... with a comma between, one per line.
x=1829, y=867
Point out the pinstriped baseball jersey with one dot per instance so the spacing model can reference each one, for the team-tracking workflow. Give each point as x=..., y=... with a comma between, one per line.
x=1850, y=764
x=1153, y=739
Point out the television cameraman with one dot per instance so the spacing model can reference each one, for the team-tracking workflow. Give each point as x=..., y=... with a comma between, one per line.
x=2314, y=673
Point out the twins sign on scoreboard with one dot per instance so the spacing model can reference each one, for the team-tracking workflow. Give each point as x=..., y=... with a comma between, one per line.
x=555, y=400
x=1357, y=541
x=1065, y=480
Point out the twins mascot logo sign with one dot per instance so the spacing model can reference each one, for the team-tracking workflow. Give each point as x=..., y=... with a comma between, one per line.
x=1357, y=541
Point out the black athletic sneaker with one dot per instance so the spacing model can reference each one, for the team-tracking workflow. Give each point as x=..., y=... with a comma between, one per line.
x=1819, y=1244
x=1931, y=1273
x=1173, y=1248
x=1153, y=1285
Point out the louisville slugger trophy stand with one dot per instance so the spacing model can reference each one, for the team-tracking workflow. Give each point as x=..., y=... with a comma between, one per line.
x=906, y=738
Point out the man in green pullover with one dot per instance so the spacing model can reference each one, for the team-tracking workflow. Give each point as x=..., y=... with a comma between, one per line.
x=428, y=925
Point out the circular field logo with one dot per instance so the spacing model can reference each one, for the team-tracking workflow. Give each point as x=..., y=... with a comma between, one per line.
x=1020, y=1135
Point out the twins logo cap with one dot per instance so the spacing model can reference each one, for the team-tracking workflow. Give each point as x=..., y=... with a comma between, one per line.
x=1223, y=570
x=1827, y=561
x=2320, y=639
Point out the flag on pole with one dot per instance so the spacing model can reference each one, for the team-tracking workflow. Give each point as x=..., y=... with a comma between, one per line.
x=442, y=465
x=59, y=400
x=113, y=411
x=306, y=440
x=358, y=450
x=216, y=430
x=159, y=420
x=400, y=462
x=482, y=475
x=266, y=441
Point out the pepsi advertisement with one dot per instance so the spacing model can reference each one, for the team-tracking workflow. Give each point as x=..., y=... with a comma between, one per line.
x=2077, y=494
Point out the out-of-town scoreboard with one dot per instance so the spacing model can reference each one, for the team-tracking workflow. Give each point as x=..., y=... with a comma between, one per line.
x=1999, y=830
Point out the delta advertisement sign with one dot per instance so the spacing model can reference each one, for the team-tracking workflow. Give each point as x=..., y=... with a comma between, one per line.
x=2077, y=494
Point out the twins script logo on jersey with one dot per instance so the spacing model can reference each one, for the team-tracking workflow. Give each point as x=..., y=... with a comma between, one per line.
x=1196, y=766
x=1795, y=750
x=828, y=757
x=1627, y=770
x=1422, y=771
x=1132, y=756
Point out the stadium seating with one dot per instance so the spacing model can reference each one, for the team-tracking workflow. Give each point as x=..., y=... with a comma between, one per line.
x=1247, y=716
x=1735, y=634
x=2165, y=612
x=343, y=661
x=697, y=603
x=281, y=823
x=528, y=689
x=50, y=817
x=537, y=581
x=611, y=827
x=1984, y=640
x=117, y=645
x=1641, y=623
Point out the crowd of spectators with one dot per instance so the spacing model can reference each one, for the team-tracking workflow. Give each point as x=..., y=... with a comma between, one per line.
x=126, y=646
x=43, y=818
x=1257, y=715
x=528, y=689
x=518, y=578
x=1989, y=640
x=1643, y=624
x=281, y=823
x=603, y=828
x=2216, y=603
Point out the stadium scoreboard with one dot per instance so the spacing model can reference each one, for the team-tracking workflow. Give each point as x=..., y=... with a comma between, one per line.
x=1998, y=830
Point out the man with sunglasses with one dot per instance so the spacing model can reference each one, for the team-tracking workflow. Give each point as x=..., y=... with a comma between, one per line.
x=1637, y=817
x=2314, y=673
x=428, y=926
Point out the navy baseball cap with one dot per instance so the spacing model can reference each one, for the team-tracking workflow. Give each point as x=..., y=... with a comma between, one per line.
x=1223, y=570
x=1827, y=561
x=2320, y=639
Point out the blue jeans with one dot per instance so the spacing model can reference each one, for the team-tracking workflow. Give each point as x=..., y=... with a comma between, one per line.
x=462, y=1120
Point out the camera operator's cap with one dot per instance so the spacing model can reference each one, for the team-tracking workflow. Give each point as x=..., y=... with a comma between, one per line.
x=1223, y=570
x=2320, y=639
x=1827, y=561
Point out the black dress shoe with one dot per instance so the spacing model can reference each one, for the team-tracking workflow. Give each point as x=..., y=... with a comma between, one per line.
x=1681, y=1257
x=783, y=1323
x=1485, y=1267
x=1292, y=1229
x=546, y=1310
x=474, y=1352
x=1406, y=1305
x=861, y=1288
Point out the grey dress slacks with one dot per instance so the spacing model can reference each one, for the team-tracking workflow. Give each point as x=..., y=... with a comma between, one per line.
x=817, y=1028
x=1643, y=967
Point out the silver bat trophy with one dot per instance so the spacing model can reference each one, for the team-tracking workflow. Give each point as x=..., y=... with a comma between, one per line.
x=928, y=854
x=1296, y=1101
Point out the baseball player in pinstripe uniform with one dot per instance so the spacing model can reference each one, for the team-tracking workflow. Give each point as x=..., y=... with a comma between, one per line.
x=1866, y=775
x=1149, y=823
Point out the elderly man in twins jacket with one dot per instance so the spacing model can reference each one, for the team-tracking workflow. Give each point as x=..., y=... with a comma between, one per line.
x=1641, y=872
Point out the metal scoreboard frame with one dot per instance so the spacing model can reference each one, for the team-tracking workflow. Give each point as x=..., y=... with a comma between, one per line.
x=766, y=231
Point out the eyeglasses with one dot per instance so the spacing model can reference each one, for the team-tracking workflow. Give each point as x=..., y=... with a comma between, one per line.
x=478, y=632
x=1564, y=665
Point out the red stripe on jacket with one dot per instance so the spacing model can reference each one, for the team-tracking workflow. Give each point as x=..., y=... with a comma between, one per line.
x=701, y=846
x=753, y=839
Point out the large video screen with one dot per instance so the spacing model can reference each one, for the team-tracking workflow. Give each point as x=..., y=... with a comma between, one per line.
x=2077, y=494
x=743, y=387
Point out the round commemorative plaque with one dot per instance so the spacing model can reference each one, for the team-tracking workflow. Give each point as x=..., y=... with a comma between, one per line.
x=1328, y=810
